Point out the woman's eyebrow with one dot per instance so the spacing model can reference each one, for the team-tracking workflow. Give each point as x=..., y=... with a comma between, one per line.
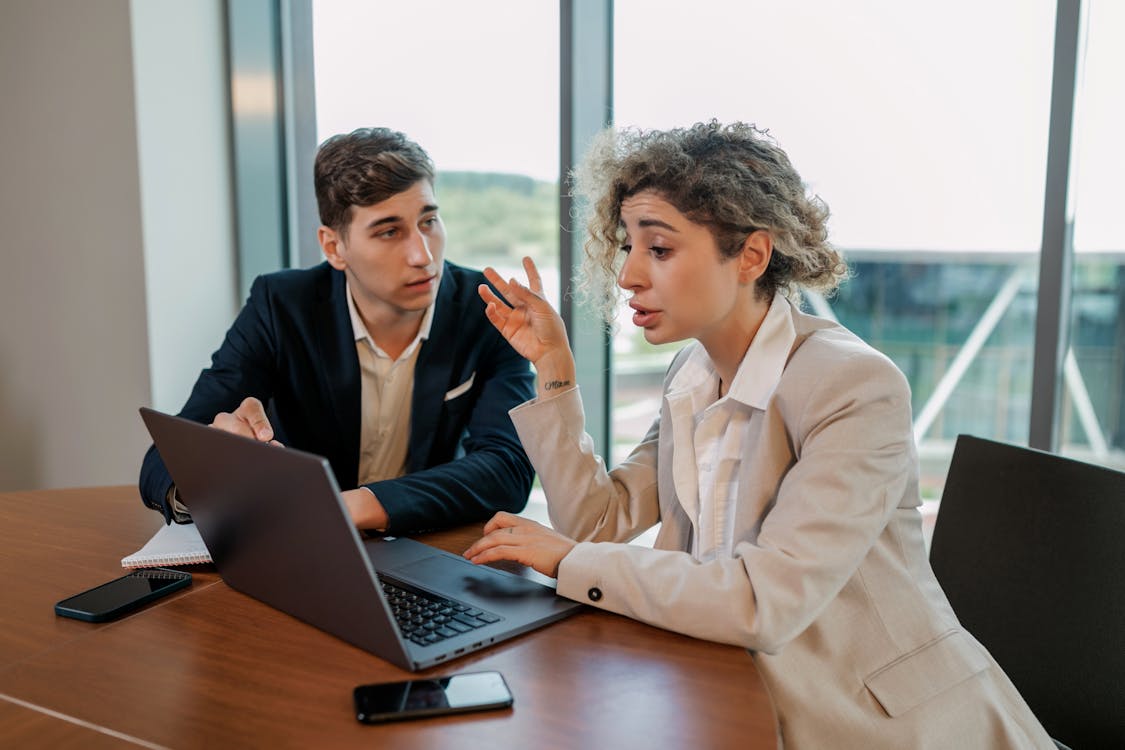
x=645, y=223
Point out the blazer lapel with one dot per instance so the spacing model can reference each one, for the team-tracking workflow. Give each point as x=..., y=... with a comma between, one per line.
x=685, y=477
x=432, y=373
x=336, y=340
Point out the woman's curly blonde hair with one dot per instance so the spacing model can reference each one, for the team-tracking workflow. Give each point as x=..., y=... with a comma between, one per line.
x=733, y=178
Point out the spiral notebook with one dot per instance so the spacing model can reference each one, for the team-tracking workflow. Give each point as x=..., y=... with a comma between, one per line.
x=174, y=544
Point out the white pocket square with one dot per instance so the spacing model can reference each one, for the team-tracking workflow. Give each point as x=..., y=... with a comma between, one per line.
x=463, y=388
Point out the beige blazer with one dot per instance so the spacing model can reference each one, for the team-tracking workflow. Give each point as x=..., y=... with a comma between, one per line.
x=829, y=586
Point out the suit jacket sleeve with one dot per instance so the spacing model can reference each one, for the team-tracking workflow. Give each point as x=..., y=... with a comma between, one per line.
x=243, y=366
x=585, y=501
x=852, y=441
x=494, y=473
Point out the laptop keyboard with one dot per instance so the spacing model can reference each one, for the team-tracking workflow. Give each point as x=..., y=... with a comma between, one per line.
x=426, y=618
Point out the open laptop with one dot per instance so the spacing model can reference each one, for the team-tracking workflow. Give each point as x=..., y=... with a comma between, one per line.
x=277, y=529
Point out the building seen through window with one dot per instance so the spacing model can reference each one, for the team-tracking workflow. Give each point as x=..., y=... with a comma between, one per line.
x=923, y=126
x=933, y=165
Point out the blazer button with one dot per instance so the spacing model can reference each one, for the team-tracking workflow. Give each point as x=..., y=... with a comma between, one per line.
x=595, y=594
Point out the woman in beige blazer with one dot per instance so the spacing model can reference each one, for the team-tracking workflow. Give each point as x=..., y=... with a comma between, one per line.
x=781, y=468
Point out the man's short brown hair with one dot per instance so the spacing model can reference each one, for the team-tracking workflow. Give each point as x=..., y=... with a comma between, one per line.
x=362, y=168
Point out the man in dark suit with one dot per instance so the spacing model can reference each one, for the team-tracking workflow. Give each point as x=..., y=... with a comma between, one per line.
x=379, y=359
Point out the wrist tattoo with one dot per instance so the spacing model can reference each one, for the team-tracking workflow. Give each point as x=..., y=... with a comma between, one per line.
x=552, y=385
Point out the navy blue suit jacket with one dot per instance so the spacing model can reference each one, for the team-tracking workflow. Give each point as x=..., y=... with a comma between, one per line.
x=293, y=347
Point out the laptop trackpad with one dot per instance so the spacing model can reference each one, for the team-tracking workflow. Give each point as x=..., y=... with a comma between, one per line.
x=449, y=575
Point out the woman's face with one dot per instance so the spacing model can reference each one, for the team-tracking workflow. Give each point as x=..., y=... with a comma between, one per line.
x=682, y=288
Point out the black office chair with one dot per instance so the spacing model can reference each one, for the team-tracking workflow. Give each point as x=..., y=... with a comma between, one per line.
x=1030, y=549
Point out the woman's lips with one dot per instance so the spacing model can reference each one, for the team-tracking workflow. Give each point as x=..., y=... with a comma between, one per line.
x=643, y=317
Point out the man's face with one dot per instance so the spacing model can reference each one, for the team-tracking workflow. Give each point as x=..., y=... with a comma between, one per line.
x=392, y=252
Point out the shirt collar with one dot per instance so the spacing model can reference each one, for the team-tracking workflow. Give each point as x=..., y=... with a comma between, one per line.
x=761, y=368
x=360, y=330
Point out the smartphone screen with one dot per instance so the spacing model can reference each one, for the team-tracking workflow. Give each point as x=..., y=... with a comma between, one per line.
x=392, y=701
x=122, y=594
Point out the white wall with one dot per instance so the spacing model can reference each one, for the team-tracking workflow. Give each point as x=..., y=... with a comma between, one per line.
x=184, y=146
x=74, y=322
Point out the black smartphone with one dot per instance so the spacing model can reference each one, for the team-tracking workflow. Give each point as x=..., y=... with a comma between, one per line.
x=120, y=595
x=415, y=699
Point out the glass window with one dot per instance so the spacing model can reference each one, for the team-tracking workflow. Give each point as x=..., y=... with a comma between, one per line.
x=924, y=128
x=476, y=85
x=483, y=101
x=1093, y=405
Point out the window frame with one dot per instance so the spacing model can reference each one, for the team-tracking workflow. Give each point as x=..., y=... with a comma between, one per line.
x=270, y=42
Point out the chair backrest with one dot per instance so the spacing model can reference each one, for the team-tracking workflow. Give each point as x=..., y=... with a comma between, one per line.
x=1030, y=549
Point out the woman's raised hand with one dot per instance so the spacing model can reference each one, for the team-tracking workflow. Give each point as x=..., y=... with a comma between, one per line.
x=526, y=319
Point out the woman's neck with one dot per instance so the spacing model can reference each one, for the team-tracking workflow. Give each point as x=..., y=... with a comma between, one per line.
x=727, y=346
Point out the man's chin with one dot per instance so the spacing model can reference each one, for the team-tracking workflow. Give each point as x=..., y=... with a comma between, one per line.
x=416, y=302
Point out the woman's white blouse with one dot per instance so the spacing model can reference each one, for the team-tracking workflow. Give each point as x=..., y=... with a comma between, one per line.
x=718, y=429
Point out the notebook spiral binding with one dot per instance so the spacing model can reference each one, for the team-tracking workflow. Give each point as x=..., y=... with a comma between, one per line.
x=160, y=574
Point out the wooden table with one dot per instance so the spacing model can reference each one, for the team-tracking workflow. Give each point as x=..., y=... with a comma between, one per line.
x=210, y=667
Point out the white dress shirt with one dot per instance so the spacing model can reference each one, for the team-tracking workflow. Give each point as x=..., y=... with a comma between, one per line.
x=386, y=390
x=717, y=429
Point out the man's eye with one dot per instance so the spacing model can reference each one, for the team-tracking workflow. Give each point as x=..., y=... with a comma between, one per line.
x=388, y=234
x=431, y=221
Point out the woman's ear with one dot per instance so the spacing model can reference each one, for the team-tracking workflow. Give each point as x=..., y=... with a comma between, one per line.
x=755, y=257
x=330, y=245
